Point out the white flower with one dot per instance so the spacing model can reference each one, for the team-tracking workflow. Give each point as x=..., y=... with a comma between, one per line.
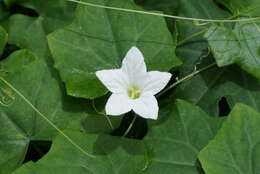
x=132, y=87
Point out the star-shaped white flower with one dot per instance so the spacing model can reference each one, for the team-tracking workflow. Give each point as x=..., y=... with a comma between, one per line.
x=132, y=87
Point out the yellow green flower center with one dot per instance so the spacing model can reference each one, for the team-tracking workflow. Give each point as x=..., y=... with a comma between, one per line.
x=133, y=92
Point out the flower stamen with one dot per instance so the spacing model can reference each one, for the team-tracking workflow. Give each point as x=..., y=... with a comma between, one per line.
x=133, y=92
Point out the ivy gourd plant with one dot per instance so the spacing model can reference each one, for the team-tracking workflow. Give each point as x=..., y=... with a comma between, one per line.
x=129, y=86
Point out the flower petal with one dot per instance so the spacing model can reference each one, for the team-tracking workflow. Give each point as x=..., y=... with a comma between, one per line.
x=134, y=60
x=156, y=82
x=134, y=66
x=115, y=80
x=146, y=107
x=118, y=104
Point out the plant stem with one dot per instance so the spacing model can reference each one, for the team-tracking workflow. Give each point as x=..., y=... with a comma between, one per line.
x=162, y=15
x=130, y=126
x=191, y=37
x=185, y=78
x=46, y=119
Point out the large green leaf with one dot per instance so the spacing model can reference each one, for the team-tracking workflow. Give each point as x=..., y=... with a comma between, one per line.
x=240, y=45
x=97, y=121
x=188, y=8
x=235, y=149
x=54, y=15
x=19, y=122
x=176, y=139
x=3, y=40
x=238, y=7
x=166, y=6
x=114, y=155
x=99, y=39
x=27, y=32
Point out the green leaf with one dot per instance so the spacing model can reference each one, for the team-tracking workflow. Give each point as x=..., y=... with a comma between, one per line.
x=54, y=15
x=27, y=32
x=176, y=139
x=3, y=40
x=201, y=9
x=19, y=123
x=238, y=7
x=99, y=39
x=166, y=6
x=205, y=9
x=240, y=45
x=235, y=149
x=97, y=121
x=187, y=8
x=114, y=155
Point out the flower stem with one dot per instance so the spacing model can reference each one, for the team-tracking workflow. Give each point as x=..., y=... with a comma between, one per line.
x=130, y=126
x=185, y=78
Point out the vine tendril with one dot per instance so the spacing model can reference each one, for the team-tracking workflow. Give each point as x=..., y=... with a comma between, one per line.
x=165, y=15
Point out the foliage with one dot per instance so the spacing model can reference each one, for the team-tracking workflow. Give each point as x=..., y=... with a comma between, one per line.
x=208, y=118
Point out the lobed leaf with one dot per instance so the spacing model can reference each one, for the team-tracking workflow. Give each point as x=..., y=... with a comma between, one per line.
x=27, y=32
x=19, y=122
x=100, y=38
x=239, y=45
x=235, y=149
x=176, y=139
x=54, y=15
